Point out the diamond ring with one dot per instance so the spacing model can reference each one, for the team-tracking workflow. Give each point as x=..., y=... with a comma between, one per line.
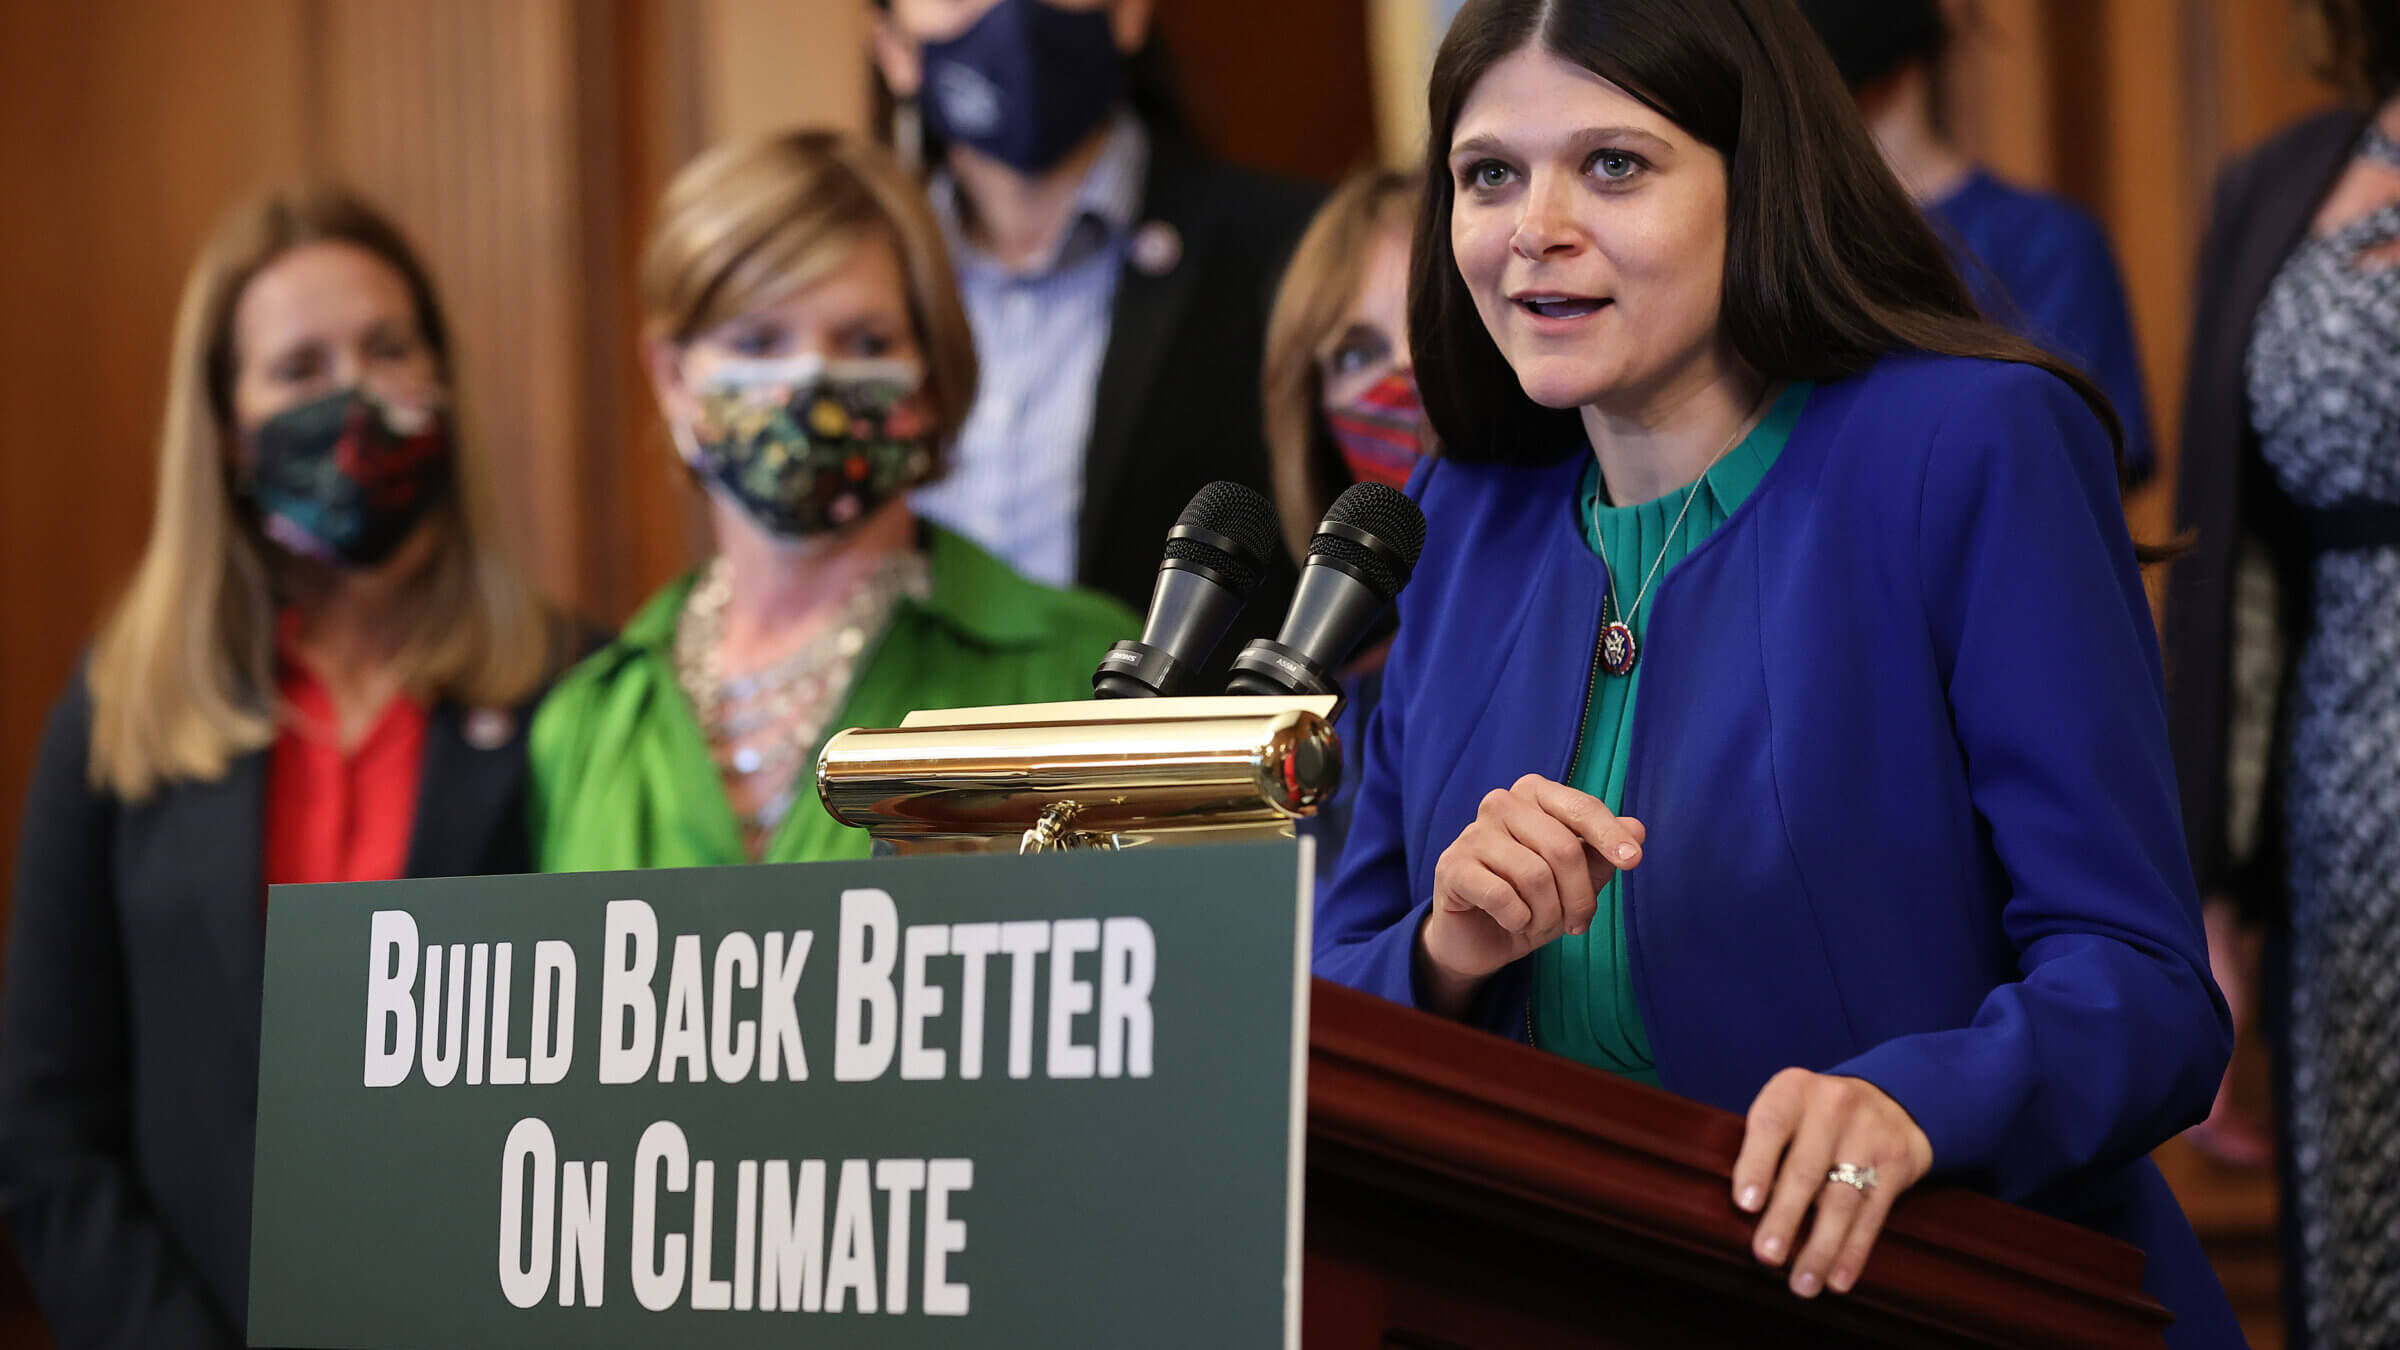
x=1851, y=1174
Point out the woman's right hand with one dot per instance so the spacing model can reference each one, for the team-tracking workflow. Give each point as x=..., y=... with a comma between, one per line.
x=1529, y=869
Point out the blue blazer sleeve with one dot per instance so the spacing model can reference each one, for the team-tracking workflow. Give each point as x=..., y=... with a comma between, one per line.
x=104, y=1269
x=2073, y=297
x=1367, y=921
x=1366, y=924
x=2114, y=1037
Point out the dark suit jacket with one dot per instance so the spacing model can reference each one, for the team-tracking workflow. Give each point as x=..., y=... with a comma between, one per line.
x=1178, y=401
x=129, y=1024
x=2225, y=492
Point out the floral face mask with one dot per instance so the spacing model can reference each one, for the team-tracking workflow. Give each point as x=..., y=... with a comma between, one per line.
x=344, y=479
x=809, y=446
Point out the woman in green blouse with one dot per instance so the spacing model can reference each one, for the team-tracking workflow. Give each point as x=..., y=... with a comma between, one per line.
x=807, y=347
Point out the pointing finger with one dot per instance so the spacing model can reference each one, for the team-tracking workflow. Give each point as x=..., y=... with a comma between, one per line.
x=1607, y=833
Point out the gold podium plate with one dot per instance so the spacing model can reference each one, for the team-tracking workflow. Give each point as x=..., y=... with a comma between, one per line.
x=1115, y=773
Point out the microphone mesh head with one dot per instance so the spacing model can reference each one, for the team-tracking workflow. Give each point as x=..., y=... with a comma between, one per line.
x=1392, y=518
x=1239, y=513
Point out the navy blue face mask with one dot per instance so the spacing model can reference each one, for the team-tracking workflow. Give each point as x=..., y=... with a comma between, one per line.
x=1026, y=84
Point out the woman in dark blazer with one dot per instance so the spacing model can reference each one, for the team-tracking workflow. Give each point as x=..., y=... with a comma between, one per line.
x=1775, y=714
x=2283, y=651
x=322, y=672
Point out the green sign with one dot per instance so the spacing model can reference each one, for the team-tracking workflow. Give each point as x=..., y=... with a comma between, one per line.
x=961, y=1101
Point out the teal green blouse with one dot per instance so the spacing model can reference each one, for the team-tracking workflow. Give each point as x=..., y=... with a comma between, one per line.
x=1583, y=1002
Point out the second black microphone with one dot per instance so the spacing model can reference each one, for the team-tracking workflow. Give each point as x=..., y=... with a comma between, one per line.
x=1363, y=553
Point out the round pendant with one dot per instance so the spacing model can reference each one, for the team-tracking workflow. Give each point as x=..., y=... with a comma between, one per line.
x=1618, y=650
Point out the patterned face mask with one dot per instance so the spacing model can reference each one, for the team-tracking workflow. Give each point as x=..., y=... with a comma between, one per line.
x=344, y=479
x=809, y=446
x=1380, y=434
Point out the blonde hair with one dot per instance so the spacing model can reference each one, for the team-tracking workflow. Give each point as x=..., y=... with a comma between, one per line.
x=747, y=223
x=1318, y=289
x=183, y=675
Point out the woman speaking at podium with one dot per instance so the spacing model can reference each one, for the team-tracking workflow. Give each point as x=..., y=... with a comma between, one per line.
x=1775, y=714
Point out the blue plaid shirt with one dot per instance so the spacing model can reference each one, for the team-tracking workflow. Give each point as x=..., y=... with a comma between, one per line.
x=1016, y=479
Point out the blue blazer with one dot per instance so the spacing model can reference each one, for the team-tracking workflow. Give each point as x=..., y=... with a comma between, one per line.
x=1902, y=754
x=2041, y=265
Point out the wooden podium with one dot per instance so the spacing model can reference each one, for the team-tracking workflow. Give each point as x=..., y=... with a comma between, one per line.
x=1466, y=1193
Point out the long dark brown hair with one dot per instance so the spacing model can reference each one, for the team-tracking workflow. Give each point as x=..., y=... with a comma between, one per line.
x=1828, y=264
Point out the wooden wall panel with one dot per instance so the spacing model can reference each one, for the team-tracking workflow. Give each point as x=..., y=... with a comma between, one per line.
x=2152, y=196
x=1275, y=84
x=771, y=64
x=121, y=138
x=120, y=141
x=459, y=116
x=612, y=100
x=1401, y=38
x=651, y=523
x=2255, y=76
x=1998, y=87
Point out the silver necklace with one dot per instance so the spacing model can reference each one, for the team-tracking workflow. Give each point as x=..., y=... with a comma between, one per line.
x=1618, y=649
x=759, y=723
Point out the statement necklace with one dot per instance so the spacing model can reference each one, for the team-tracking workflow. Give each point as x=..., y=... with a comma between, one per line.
x=759, y=723
x=1618, y=649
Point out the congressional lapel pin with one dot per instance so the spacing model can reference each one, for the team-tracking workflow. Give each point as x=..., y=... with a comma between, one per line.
x=1157, y=248
x=489, y=728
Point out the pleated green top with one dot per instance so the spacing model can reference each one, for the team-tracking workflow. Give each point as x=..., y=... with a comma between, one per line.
x=1583, y=996
x=622, y=776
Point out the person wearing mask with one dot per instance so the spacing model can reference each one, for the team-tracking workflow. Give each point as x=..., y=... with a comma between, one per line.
x=1117, y=280
x=804, y=339
x=2283, y=640
x=1733, y=738
x=2036, y=262
x=322, y=671
x=1342, y=407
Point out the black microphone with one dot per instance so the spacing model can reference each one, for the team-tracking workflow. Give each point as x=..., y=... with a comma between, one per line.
x=1362, y=555
x=1216, y=555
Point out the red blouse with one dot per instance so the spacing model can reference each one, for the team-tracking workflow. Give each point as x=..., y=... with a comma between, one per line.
x=335, y=816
